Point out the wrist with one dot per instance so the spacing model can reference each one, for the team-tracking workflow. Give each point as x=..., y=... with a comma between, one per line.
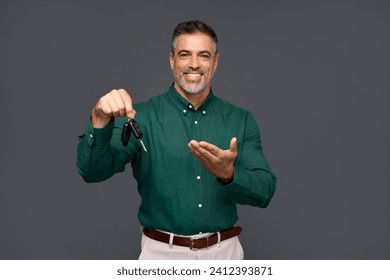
x=99, y=121
x=226, y=180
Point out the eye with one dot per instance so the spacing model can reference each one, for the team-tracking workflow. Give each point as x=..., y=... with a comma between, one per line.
x=184, y=54
x=205, y=56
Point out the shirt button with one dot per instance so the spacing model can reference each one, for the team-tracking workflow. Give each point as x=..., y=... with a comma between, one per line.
x=198, y=177
x=184, y=111
x=200, y=205
x=91, y=135
x=190, y=106
x=195, y=122
x=204, y=112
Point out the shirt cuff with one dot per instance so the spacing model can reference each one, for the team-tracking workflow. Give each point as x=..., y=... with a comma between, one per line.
x=235, y=186
x=99, y=136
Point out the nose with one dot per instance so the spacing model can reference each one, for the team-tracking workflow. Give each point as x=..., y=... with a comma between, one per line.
x=194, y=62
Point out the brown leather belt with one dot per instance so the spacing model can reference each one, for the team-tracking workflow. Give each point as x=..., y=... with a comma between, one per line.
x=192, y=243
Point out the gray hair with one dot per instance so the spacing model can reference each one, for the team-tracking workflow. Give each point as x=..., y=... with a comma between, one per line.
x=193, y=26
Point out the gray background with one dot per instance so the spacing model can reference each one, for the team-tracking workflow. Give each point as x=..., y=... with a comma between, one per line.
x=315, y=74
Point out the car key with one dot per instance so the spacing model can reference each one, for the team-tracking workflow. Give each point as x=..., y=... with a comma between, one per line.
x=126, y=132
x=132, y=126
x=137, y=132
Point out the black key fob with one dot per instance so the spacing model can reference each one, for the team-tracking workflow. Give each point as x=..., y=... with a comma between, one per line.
x=126, y=132
x=135, y=129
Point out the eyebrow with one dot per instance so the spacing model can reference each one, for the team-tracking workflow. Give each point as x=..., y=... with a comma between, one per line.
x=205, y=52
x=187, y=51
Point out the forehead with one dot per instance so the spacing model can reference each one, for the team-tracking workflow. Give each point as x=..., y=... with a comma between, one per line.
x=194, y=42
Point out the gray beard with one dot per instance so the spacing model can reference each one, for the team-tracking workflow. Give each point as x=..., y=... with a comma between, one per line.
x=187, y=89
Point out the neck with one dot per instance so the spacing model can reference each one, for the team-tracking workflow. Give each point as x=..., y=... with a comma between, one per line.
x=194, y=99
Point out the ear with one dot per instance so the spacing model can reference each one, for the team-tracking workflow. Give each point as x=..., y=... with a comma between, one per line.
x=216, y=59
x=171, y=61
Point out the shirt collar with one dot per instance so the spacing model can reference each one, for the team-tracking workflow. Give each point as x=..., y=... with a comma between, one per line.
x=183, y=103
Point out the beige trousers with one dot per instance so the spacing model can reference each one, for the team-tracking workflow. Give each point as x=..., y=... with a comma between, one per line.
x=229, y=249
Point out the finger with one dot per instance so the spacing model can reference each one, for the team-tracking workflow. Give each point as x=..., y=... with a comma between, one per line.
x=199, y=152
x=103, y=109
x=113, y=108
x=116, y=104
x=205, y=161
x=192, y=143
x=108, y=104
x=214, y=150
x=128, y=103
x=233, y=146
x=194, y=148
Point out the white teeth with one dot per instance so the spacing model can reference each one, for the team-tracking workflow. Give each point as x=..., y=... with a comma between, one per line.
x=194, y=75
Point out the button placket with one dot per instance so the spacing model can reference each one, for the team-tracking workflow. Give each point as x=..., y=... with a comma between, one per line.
x=198, y=117
x=198, y=179
x=195, y=117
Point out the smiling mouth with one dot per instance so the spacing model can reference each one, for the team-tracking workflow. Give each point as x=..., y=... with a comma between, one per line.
x=194, y=75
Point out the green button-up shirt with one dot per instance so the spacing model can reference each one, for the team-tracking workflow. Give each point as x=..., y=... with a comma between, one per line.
x=178, y=194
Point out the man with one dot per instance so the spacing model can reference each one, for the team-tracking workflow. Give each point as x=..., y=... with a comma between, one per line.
x=203, y=156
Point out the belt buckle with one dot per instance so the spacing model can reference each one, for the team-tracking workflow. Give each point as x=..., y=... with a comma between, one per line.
x=192, y=243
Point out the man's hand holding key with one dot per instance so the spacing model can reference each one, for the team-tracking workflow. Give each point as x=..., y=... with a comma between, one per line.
x=116, y=103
